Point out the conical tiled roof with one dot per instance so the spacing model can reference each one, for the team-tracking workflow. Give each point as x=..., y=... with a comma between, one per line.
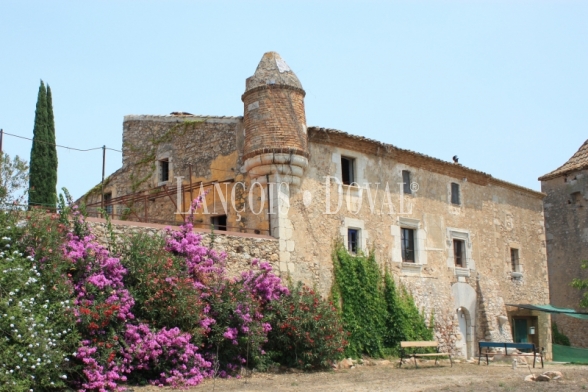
x=578, y=161
x=272, y=69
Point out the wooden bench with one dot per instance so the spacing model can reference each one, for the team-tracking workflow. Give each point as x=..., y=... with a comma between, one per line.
x=512, y=346
x=414, y=354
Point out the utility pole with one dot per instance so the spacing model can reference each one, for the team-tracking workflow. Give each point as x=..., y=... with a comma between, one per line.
x=103, y=168
x=1, y=137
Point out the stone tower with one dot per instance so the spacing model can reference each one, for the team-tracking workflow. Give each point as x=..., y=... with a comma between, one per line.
x=276, y=146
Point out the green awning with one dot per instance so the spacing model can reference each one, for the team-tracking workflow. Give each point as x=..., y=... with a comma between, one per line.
x=553, y=309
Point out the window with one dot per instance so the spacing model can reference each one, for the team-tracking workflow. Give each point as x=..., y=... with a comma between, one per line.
x=347, y=172
x=164, y=170
x=455, y=193
x=107, y=205
x=219, y=222
x=459, y=253
x=352, y=240
x=406, y=181
x=514, y=260
x=577, y=199
x=407, y=238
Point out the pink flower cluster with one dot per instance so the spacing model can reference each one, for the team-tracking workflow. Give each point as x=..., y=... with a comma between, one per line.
x=169, y=351
x=263, y=283
x=98, y=273
x=202, y=262
x=99, y=377
x=117, y=345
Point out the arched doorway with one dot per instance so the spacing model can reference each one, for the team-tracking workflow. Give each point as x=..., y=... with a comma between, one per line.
x=465, y=307
x=464, y=343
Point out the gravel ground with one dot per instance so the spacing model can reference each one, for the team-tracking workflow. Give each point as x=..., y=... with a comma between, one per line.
x=387, y=377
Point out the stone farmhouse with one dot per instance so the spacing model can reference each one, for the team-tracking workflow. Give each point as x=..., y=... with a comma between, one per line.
x=566, y=227
x=463, y=242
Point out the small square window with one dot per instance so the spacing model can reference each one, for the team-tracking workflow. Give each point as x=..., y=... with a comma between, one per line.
x=455, y=197
x=164, y=170
x=407, y=245
x=352, y=240
x=406, y=182
x=347, y=170
x=459, y=253
x=219, y=222
x=577, y=199
x=514, y=260
x=107, y=201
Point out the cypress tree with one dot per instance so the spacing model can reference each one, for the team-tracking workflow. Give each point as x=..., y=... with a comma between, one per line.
x=52, y=150
x=43, y=163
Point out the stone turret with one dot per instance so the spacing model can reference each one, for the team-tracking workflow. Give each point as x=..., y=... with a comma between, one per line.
x=276, y=145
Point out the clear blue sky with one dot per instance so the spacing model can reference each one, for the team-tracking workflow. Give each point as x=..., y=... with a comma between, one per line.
x=504, y=85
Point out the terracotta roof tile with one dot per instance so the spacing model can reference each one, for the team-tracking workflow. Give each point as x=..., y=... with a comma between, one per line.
x=578, y=161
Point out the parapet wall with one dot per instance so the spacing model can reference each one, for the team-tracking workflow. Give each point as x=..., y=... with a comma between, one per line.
x=241, y=249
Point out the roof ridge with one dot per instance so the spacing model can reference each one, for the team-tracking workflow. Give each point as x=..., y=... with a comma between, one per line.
x=578, y=161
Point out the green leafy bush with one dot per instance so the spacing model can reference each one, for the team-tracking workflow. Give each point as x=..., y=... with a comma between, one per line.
x=164, y=293
x=239, y=330
x=377, y=315
x=306, y=330
x=37, y=324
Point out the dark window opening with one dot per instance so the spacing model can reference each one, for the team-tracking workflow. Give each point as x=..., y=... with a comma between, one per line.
x=514, y=260
x=407, y=245
x=406, y=182
x=577, y=199
x=347, y=172
x=455, y=193
x=107, y=205
x=352, y=240
x=219, y=222
x=459, y=253
x=164, y=170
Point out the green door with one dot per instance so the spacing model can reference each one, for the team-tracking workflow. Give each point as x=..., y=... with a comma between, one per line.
x=520, y=331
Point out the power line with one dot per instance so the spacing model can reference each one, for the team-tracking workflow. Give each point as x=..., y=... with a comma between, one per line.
x=58, y=145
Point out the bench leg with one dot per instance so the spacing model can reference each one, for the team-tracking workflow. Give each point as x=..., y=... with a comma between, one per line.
x=399, y=366
x=415, y=362
x=534, y=360
x=487, y=362
x=450, y=360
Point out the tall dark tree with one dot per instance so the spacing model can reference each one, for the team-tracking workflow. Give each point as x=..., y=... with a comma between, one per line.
x=43, y=164
x=52, y=148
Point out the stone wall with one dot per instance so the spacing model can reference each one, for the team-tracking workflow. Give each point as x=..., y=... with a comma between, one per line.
x=566, y=224
x=492, y=218
x=210, y=148
x=240, y=249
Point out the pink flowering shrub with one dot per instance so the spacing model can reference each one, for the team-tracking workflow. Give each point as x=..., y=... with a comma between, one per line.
x=233, y=320
x=162, y=288
x=159, y=310
x=167, y=357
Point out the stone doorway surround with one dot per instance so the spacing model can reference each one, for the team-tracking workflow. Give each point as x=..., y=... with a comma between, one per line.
x=465, y=300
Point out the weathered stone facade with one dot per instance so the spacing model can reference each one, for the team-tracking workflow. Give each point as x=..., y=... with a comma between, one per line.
x=566, y=225
x=291, y=188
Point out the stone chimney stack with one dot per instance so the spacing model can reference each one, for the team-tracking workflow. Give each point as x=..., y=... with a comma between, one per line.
x=276, y=145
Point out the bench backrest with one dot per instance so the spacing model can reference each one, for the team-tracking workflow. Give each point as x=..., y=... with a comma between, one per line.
x=520, y=346
x=431, y=343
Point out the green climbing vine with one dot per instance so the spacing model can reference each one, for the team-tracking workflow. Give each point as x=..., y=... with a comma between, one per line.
x=376, y=314
x=558, y=337
x=96, y=189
